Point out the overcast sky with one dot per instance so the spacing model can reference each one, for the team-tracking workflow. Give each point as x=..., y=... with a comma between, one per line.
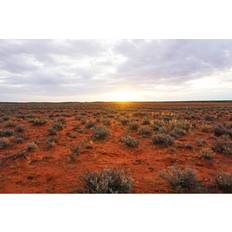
x=112, y=70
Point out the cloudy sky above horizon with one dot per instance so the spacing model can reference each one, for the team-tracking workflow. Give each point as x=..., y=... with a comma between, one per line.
x=115, y=70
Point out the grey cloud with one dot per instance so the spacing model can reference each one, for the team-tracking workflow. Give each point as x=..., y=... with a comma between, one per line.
x=169, y=59
x=43, y=68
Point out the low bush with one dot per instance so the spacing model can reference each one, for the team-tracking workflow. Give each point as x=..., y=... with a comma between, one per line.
x=4, y=142
x=145, y=131
x=89, y=124
x=164, y=140
x=6, y=133
x=51, y=141
x=31, y=146
x=223, y=145
x=10, y=124
x=19, y=129
x=124, y=121
x=181, y=180
x=38, y=121
x=133, y=126
x=75, y=152
x=129, y=141
x=107, y=181
x=223, y=182
x=207, y=154
x=219, y=130
x=100, y=133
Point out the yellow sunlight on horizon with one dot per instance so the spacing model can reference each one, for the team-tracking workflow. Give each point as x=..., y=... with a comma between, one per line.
x=124, y=96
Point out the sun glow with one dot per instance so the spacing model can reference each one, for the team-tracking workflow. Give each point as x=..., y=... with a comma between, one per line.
x=124, y=96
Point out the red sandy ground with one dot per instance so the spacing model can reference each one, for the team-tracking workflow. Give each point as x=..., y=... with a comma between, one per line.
x=50, y=171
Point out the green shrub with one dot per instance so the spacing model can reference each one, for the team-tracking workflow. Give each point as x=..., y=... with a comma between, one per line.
x=177, y=132
x=31, y=146
x=107, y=181
x=89, y=124
x=223, y=145
x=124, y=121
x=133, y=126
x=146, y=121
x=6, y=133
x=219, y=130
x=163, y=139
x=38, y=122
x=51, y=141
x=100, y=133
x=207, y=154
x=181, y=180
x=129, y=141
x=10, y=124
x=19, y=129
x=4, y=142
x=145, y=131
x=223, y=182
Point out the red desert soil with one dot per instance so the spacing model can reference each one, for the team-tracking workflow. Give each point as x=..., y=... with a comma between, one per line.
x=50, y=170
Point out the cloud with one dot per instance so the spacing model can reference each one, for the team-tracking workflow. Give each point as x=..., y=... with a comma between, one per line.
x=90, y=70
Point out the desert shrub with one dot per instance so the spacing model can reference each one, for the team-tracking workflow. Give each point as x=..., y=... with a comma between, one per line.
x=183, y=125
x=146, y=121
x=71, y=134
x=188, y=146
x=19, y=129
x=38, y=121
x=51, y=141
x=52, y=130
x=89, y=124
x=223, y=182
x=163, y=139
x=61, y=121
x=6, y=133
x=129, y=141
x=4, y=142
x=124, y=121
x=31, y=146
x=57, y=126
x=219, y=130
x=10, y=124
x=223, y=145
x=5, y=118
x=200, y=142
x=206, y=128
x=177, y=132
x=158, y=126
x=100, y=133
x=207, y=154
x=181, y=180
x=209, y=117
x=145, y=131
x=106, y=122
x=107, y=181
x=75, y=151
x=19, y=140
x=133, y=126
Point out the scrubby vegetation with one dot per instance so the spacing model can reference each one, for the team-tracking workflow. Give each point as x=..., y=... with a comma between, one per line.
x=223, y=145
x=181, y=180
x=223, y=182
x=56, y=143
x=162, y=139
x=107, y=181
x=100, y=133
x=129, y=141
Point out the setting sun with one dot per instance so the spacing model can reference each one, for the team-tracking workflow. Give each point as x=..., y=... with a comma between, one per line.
x=124, y=96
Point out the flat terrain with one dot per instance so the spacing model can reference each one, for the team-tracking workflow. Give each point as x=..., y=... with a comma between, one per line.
x=49, y=147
